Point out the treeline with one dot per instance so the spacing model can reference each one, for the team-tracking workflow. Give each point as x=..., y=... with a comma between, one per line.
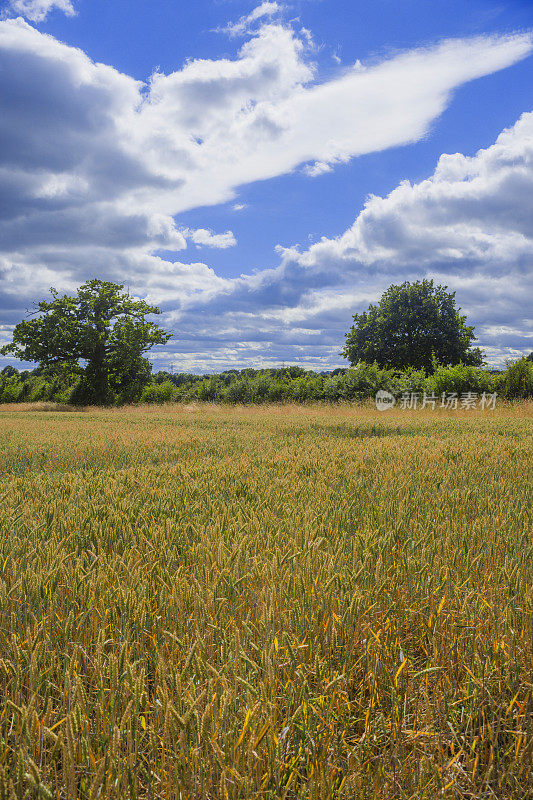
x=290, y=384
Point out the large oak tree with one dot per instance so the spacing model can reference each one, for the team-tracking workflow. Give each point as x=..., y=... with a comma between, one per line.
x=100, y=334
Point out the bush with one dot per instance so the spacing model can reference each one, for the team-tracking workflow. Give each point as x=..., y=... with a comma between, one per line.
x=259, y=388
x=460, y=379
x=410, y=380
x=37, y=390
x=307, y=387
x=237, y=392
x=208, y=389
x=10, y=389
x=334, y=388
x=278, y=390
x=365, y=380
x=517, y=379
x=159, y=393
x=276, y=385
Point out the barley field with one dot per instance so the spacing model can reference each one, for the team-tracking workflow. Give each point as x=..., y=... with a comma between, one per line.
x=269, y=602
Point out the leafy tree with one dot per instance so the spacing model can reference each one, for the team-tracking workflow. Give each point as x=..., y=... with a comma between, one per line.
x=414, y=325
x=99, y=334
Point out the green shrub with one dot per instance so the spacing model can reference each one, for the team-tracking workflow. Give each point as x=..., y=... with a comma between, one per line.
x=517, y=379
x=409, y=380
x=208, y=389
x=237, y=392
x=308, y=387
x=364, y=380
x=461, y=378
x=159, y=393
x=37, y=390
x=334, y=388
x=11, y=389
x=278, y=390
x=277, y=385
x=259, y=388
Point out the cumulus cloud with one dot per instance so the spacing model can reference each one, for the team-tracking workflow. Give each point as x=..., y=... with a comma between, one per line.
x=469, y=225
x=96, y=167
x=38, y=10
x=87, y=134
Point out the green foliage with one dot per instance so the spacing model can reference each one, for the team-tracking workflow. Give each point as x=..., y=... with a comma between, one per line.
x=461, y=378
x=279, y=390
x=356, y=383
x=517, y=380
x=411, y=326
x=10, y=389
x=159, y=393
x=279, y=385
x=365, y=380
x=408, y=380
x=208, y=389
x=237, y=392
x=99, y=335
x=308, y=387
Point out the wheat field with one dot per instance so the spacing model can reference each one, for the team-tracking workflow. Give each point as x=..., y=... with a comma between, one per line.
x=269, y=602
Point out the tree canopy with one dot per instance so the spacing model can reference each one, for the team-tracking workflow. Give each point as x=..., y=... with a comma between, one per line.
x=100, y=334
x=414, y=325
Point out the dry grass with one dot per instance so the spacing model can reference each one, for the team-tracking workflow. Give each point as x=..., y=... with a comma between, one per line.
x=278, y=602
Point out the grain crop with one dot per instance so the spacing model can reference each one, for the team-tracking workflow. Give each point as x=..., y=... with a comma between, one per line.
x=270, y=602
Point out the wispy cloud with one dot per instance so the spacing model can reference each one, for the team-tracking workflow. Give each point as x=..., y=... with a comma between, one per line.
x=246, y=24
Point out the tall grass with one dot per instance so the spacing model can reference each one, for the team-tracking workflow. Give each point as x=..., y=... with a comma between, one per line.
x=268, y=602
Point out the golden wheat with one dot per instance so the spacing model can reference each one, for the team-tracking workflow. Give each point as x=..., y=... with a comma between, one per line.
x=274, y=602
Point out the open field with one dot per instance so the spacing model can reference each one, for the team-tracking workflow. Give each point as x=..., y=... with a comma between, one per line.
x=272, y=602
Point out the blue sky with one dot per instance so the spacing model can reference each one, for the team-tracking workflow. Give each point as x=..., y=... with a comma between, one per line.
x=262, y=171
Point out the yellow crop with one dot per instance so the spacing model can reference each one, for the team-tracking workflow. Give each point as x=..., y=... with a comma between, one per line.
x=269, y=602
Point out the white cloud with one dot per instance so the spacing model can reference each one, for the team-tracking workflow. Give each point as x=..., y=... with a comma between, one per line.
x=318, y=168
x=90, y=142
x=470, y=226
x=476, y=210
x=224, y=123
x=206, y=238
x=95, y=168
x=38, y=10
x=269, y=8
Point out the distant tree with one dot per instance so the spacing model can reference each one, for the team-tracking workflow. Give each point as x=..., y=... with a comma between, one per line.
x=530, y=356
x=414, y=325
x=99, y=334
